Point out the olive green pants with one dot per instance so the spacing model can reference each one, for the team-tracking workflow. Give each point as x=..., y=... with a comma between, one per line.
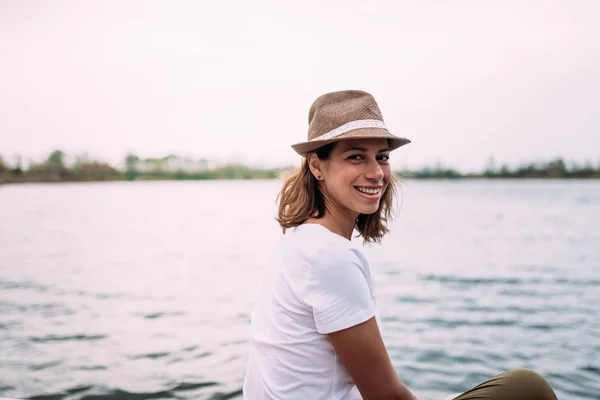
x=517, y=384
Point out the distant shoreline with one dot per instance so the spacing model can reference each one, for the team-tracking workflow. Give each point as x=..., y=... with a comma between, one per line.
x=24, y=179
x=175, y=168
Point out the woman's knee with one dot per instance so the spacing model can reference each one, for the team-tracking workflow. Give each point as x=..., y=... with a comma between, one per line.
x=526, y=380
x=523, y=374
x=516, y=384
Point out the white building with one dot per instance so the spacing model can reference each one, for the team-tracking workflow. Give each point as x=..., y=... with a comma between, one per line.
x=173, y=163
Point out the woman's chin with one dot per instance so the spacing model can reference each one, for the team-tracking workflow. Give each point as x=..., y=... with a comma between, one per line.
x=367, y=210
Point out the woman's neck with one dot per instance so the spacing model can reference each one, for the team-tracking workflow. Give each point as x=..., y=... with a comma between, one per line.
x=338, y=219
x=337, y=222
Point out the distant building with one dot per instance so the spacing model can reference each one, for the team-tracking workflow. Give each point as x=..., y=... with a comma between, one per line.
x=173, y=163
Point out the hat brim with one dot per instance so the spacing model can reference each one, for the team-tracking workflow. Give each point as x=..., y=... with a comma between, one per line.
x=304, y=148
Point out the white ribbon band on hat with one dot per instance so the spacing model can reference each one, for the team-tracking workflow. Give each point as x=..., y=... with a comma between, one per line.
x=350, y=126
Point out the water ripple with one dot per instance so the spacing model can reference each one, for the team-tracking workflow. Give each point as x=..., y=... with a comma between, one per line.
x=105, y=393
x=151, y=356
x=455, y=323
x=41, y=366
x=22, y=285
x=66, y=338
x=157, y=315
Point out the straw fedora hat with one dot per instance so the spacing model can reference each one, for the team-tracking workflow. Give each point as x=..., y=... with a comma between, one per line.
x=349, y=114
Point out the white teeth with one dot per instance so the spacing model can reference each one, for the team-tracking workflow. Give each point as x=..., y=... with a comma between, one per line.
x=367, y=191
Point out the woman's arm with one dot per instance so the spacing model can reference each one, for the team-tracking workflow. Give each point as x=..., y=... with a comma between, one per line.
x=363, y=353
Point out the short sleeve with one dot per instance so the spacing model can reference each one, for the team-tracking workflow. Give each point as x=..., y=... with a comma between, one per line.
x=338, y=291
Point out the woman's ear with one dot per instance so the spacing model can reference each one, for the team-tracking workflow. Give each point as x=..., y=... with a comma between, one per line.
x=315, y=165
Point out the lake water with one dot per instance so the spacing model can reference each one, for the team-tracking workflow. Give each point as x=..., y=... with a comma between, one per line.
x=138, y=290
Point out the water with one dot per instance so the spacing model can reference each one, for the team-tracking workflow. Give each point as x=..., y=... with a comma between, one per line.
x=144, y=290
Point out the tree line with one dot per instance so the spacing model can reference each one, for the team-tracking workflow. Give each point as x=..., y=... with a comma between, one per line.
x=55, y=168
x=553, y=169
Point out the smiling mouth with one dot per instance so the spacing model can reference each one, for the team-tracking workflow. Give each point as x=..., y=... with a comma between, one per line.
x=368, y=191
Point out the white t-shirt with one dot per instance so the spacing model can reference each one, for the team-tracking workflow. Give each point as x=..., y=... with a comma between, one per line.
x=316, y=283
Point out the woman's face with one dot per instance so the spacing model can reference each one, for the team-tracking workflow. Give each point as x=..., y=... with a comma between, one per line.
x=356, y=174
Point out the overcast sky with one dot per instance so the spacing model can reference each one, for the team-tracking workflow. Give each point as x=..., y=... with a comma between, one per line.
x=233, y=80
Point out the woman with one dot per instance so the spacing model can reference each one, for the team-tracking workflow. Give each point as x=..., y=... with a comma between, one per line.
x=314, y=330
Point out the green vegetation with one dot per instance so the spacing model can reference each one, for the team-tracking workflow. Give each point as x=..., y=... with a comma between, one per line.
x=53, y=169
x=554, y=169
x=80, y=168
x=60, y=167
x=229, y=171
x=436, y=172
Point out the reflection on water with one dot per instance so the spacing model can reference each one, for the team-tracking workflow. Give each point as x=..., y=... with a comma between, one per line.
x=144, y=290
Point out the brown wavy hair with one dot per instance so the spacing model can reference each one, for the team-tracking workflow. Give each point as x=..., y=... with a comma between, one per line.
x=301, y=198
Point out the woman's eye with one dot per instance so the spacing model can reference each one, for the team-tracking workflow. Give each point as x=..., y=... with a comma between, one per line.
x=355, y=157
x=384, y=158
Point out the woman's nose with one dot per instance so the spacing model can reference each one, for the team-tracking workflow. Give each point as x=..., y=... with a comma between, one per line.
x=374, y=171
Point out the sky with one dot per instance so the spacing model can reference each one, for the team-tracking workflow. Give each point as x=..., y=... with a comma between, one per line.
x=233, y=81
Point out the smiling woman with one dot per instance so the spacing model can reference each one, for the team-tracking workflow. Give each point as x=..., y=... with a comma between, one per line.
x=315, y=333
x=356, y=172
